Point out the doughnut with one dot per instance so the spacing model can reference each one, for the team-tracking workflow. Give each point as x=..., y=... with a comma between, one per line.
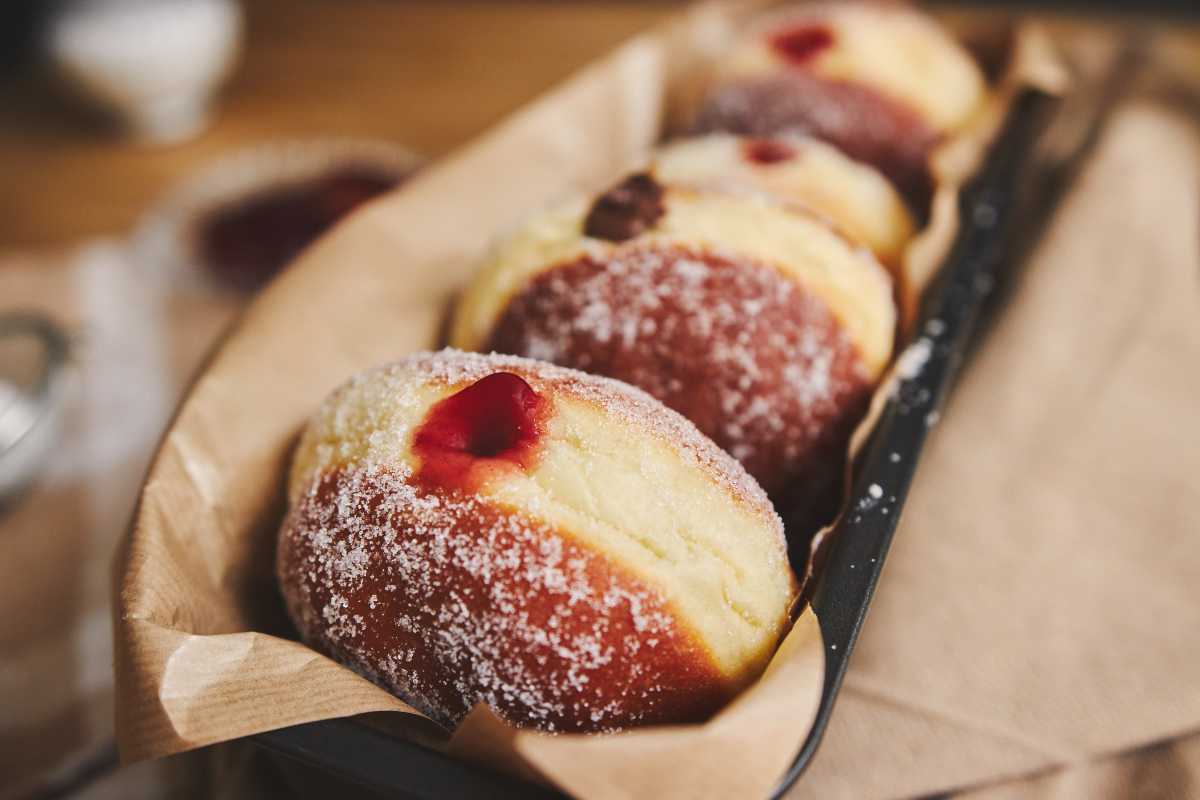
x=757, y=321
x=851, y=195
x=466, y=529
x=884, y=83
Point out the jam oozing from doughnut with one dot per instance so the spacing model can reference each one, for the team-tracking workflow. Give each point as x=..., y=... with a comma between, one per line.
x=801, y=44
x=767, y=151
x=493, y=424
x=626, y=210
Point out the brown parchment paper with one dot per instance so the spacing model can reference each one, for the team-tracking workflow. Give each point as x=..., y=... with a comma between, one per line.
x=1167, y=770
x=1038, y=607
x=200, y=653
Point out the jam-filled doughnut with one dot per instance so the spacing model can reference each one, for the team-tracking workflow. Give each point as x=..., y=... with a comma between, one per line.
x=851, y=195
x=757, y=321
x=883, y=82
x=471, y=529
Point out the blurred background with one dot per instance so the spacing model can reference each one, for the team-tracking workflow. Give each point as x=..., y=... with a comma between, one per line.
x=139, y=141
x=408, y=73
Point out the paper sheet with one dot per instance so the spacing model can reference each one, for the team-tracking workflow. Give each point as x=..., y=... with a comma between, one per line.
x=201, y=653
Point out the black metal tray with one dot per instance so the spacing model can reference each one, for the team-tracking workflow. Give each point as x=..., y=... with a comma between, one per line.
x=853, y=560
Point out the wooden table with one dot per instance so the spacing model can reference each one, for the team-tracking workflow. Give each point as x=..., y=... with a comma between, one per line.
x=430, y=75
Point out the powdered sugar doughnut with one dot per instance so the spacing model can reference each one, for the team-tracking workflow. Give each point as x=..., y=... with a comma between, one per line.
x=466, y=528
x=883, y=82
x=757, y=322
x=851, y=195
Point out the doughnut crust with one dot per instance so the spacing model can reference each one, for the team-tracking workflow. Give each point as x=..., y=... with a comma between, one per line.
x=758, y=322
x=608, y=567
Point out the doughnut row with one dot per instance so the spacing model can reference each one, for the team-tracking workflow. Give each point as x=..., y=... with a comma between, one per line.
x=747, y=277
x=573, y=517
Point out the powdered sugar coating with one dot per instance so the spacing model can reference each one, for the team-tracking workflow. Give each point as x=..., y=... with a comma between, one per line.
x=449, y=601
x=755, y=361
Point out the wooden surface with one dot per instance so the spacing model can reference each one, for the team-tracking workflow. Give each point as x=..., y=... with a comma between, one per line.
x=430, y=75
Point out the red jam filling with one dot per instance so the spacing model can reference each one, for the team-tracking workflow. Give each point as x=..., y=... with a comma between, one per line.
x=799, y=45
x=767, y=151
x=246, y=243
x=491, y=426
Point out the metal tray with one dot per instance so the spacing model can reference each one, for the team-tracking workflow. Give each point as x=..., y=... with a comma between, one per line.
x=852, y=561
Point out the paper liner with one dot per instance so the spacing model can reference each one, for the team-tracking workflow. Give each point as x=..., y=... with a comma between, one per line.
x=200, y=653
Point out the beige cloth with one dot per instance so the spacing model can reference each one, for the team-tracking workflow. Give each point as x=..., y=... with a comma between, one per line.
x=1039, y=604
x=1165, y=771
x=133, y=351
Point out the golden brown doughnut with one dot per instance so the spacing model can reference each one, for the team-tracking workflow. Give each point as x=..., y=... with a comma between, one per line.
x=882, y=82
x=471, y=529
x=756, y=321
x=854, y=197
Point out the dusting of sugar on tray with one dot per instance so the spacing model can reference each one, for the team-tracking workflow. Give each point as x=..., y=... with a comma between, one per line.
x=913, y=359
